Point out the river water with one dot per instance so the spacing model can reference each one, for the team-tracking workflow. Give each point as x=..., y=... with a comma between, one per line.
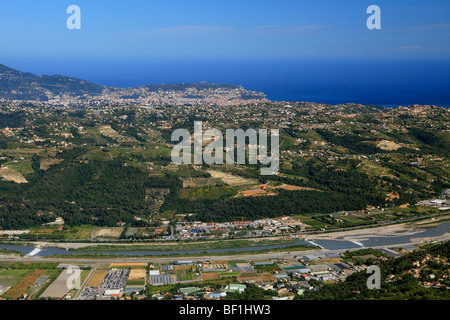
x=368, y=241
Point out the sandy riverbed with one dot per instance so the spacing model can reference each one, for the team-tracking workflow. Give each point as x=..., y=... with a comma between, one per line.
x=409, y=228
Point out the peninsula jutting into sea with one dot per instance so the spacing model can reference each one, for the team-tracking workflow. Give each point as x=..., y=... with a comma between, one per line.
x=18, y=87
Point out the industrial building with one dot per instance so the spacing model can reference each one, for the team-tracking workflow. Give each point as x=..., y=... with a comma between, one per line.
x=161, y=279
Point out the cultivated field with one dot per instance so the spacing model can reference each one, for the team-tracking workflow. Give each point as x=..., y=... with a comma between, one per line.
x=12, y=175
x=231, y=179
x=10, y=277
x=249, y=277
x=388, y=145
x=230, y=274
x=106, y=130
x=188, y=183
x=46, y=163
x=97, y=278
x=137, y=278
x=108, y=232
x=267, y=277
x=293, y=188
x=128, y=265
x=22, y=286
x=137, y=274
x=257, y=192
x=182, y=267
x=210, y=276
x=60, y=286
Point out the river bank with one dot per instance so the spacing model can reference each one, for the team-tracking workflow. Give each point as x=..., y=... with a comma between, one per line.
x=387, y=236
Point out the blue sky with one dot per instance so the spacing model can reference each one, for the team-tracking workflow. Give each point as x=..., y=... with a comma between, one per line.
x=254, y=29
x=306, y=48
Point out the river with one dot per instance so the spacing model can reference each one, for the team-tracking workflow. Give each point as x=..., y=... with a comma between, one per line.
x=335, y=244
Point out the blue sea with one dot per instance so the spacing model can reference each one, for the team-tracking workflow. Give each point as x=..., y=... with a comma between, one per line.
x=381, y=82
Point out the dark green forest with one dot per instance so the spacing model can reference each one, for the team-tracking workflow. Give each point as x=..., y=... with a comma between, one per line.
x=94, y=192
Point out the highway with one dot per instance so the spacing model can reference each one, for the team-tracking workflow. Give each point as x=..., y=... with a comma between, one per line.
x=209, y=257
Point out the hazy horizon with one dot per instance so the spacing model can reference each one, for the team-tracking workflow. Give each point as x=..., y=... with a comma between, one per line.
x=290, y=50
x=330, y=81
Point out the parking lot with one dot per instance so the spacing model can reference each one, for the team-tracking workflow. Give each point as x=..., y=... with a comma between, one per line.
x=114, y=279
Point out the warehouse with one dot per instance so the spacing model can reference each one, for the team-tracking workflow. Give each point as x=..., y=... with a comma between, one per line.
x=183, y=263
x=162, y=279
x=153, y=273
x=263, y=263
x=112, y=293
x=188, y=290
x=236, y=287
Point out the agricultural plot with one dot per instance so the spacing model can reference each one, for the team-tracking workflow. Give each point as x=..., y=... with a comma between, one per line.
x=52, y=232
x=374, y=169
x=256, y=192
x=61, y=285
x=230, y=274
x=268, y=268
x=293, y=188
x=106, y=130
x=10, y=174
x=137, y=278
x=98, y=155
x=213, y=193
x=97, y=135
x=43, y=282
x=352, y=220
x=21, y=287
x=46, y=163
x=267, y=277
x=184, y=170
x=10, y=277
x=388, y=145
x=47, y=230
x=150, y=152
x=97, y=278
x=313, y=222
x=23, y=167
x=81, y=232
x=126, y=265
x=108, y=232
x=188, y=183
x=231, y=179
x=210, y=276
x=184, y=275
x=208, y=182
x=201, y=182
x=250, y=277
x=154, y=136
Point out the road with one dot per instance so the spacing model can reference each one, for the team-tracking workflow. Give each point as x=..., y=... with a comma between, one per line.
x=212, y=257
x=246, y=256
